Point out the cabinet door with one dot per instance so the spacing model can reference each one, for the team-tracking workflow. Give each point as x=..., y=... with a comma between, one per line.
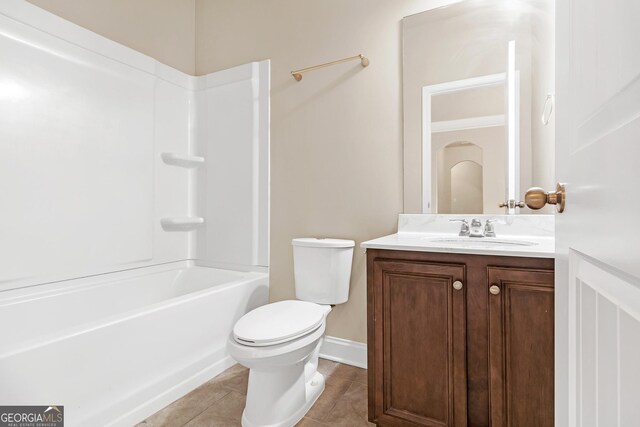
x=419, y=344
x=520, y=347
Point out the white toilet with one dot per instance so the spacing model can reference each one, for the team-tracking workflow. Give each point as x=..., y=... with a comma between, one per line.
x=280, y=342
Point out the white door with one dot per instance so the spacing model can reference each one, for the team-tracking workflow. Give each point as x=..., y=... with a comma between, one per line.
x=598, y=235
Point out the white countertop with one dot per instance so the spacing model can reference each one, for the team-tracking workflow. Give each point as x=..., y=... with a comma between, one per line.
x=544, y=246
x=422, y=232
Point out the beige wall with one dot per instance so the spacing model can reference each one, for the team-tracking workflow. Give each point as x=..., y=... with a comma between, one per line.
x=162, y=29
x=336, y=136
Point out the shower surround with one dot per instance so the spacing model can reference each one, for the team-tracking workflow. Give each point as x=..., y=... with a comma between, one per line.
x=135, y=227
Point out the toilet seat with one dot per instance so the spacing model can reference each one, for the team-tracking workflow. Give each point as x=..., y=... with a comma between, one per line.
x=278, y=322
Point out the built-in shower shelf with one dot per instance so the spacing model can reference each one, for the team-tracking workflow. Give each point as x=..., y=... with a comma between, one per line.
x=182, y=160
x=181, y=223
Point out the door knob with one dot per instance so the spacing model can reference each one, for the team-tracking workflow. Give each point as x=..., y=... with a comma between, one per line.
x=494, y=289
x=457, y=285
x=536, y=198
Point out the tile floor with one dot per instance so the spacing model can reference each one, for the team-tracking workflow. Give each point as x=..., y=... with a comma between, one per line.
x=219, y=402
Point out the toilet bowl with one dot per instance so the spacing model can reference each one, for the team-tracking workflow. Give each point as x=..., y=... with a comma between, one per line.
x=280, y=342
x=282, y=357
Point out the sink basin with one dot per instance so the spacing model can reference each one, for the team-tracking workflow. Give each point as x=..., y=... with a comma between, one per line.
x=479, y=241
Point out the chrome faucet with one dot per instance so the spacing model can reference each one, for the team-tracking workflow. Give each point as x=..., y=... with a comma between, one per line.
x=464, y=227
x=476, y=228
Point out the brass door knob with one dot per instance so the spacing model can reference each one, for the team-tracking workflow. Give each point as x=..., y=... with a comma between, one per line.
x=536, y=198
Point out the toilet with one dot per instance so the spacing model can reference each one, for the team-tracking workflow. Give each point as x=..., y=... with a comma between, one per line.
x=280, y=342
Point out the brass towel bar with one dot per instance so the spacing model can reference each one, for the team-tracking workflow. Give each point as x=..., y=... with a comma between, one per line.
x=298, y=73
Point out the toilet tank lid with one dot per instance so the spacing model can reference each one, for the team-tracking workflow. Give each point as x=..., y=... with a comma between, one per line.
x=314, y=242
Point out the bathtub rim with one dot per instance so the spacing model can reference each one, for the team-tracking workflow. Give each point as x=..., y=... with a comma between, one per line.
x=56, y=286
x=116, y=318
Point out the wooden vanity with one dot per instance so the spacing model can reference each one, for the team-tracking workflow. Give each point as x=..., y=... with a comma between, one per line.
x=460, y=339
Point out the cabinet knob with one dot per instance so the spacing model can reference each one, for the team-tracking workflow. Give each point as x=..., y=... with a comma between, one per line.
x=494, y=289
x=457, y=285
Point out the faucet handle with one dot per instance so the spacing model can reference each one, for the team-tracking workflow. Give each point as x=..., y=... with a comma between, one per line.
x=464, y=227
x=496, y=221
x=488, y=226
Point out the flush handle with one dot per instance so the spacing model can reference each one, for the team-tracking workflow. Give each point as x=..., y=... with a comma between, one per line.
x=536, y=198
x=457, y=285
x=494, y=289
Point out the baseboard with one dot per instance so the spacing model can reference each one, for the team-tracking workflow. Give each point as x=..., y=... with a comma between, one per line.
x=344, y=351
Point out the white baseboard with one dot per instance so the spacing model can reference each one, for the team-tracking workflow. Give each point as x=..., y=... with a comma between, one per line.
x=344, y=351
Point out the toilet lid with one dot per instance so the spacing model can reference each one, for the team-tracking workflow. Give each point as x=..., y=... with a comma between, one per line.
x=278, y=322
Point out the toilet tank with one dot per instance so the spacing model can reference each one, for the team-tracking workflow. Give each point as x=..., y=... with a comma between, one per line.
x=322, y=269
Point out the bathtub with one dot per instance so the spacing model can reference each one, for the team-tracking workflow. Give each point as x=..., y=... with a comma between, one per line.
x=116, y=348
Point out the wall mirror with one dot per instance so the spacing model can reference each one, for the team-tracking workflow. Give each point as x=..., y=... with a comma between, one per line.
x=478, y=84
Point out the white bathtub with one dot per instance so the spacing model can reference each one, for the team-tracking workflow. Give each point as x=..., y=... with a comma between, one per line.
x=115, y=348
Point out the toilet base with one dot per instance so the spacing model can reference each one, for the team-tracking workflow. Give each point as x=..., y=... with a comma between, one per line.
x=313, y=388
x=284, y=381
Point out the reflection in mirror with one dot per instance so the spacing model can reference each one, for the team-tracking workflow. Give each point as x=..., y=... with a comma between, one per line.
x=477, y=74
x=466, y=187
x=460, y=178
x=471, y=110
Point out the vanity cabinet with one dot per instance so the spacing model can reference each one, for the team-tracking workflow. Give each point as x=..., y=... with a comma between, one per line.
x=419, y=327
x=459, y=340
x=520, y=347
